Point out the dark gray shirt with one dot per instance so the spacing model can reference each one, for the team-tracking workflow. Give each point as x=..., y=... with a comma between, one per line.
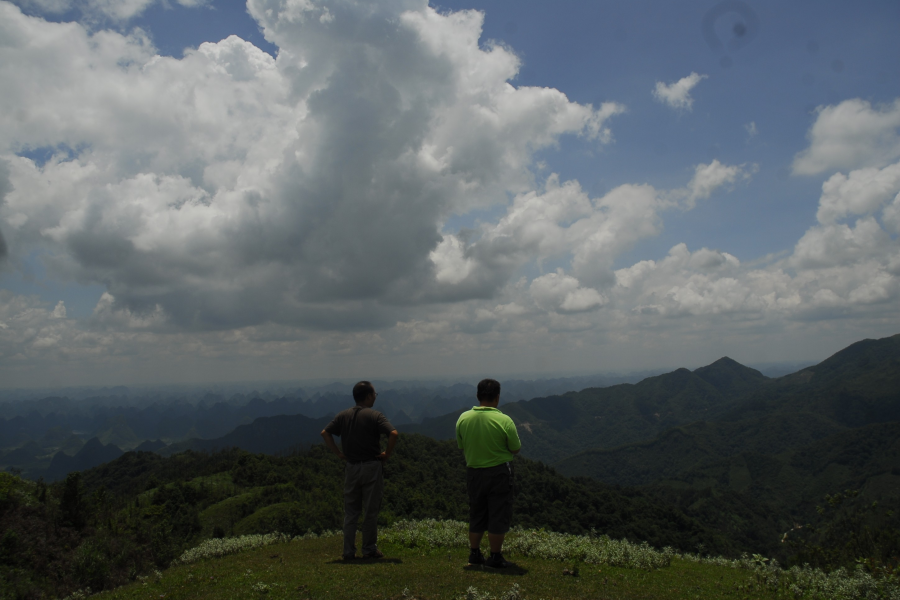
x=360, y=430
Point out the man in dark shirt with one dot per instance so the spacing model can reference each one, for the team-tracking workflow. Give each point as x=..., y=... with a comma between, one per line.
x=360, y=430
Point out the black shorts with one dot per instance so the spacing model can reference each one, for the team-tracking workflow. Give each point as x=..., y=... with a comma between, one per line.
x=490, y=498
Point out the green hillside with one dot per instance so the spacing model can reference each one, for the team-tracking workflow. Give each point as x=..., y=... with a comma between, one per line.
x=865, y=459
x=142, y=510
x=748, y=495
x=695, y=445
x=815, y=412
x=425, y=479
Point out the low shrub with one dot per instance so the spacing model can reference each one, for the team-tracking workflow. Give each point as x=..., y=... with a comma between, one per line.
x=215, y=548
x=805, y=582
x=218, y=547
x=538, y=543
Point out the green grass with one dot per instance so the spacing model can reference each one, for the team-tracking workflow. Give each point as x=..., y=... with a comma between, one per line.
x=426, y=561
x=311, y=569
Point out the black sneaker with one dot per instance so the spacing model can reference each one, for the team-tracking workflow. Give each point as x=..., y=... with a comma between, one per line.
x=476, y=557
x=496, y=561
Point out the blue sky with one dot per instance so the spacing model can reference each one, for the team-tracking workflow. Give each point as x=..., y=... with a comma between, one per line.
x=440, y=302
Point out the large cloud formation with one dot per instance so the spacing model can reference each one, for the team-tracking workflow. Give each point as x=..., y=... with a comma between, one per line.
x=231, y=202
x=230, y=188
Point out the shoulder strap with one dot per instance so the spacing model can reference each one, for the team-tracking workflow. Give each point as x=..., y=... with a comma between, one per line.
x=356, y=410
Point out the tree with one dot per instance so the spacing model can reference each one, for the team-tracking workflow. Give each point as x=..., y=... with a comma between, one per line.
x=72, y=507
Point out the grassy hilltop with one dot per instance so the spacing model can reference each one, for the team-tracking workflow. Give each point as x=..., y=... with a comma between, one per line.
x=308, y=569
x=426, y=561
x=140, y=513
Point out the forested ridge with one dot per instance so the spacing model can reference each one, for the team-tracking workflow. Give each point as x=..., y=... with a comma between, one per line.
x=106, y=526
x=103, y=527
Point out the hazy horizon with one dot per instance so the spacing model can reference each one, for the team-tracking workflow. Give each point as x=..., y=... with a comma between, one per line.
x=774, y=369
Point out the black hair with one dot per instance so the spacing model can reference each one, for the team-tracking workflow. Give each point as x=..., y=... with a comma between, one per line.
x=488, y=389
x=362, y=390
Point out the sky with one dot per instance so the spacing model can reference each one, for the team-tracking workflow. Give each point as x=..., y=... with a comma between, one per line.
x=206, y=190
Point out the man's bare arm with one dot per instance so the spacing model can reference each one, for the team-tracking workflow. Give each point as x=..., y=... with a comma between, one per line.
x=392, y=441
x=329, y=441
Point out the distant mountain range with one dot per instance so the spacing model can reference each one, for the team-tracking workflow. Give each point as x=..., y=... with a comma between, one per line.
x=750, y=445
x=857, y=387
x=267, y=435
x=32, y=431
x=92, y=454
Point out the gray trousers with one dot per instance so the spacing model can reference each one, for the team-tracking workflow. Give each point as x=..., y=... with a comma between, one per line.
x=363, y=489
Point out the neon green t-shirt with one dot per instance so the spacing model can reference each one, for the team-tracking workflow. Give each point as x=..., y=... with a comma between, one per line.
x=487, y=437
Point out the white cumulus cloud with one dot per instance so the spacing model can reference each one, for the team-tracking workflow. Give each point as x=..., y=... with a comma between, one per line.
x=229, y=188
x=563, y=293
x=678, y=94
x=708, y=178
x=861, y=192
x=563, y=221
x=851, y=135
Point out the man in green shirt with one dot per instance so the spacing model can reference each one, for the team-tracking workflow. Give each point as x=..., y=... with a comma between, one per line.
x=489, y=440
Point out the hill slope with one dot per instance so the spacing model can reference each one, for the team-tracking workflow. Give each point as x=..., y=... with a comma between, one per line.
x=92, y=454
x=856, y=387
x=697, y=444
x=865, y=459
x=425, y=479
